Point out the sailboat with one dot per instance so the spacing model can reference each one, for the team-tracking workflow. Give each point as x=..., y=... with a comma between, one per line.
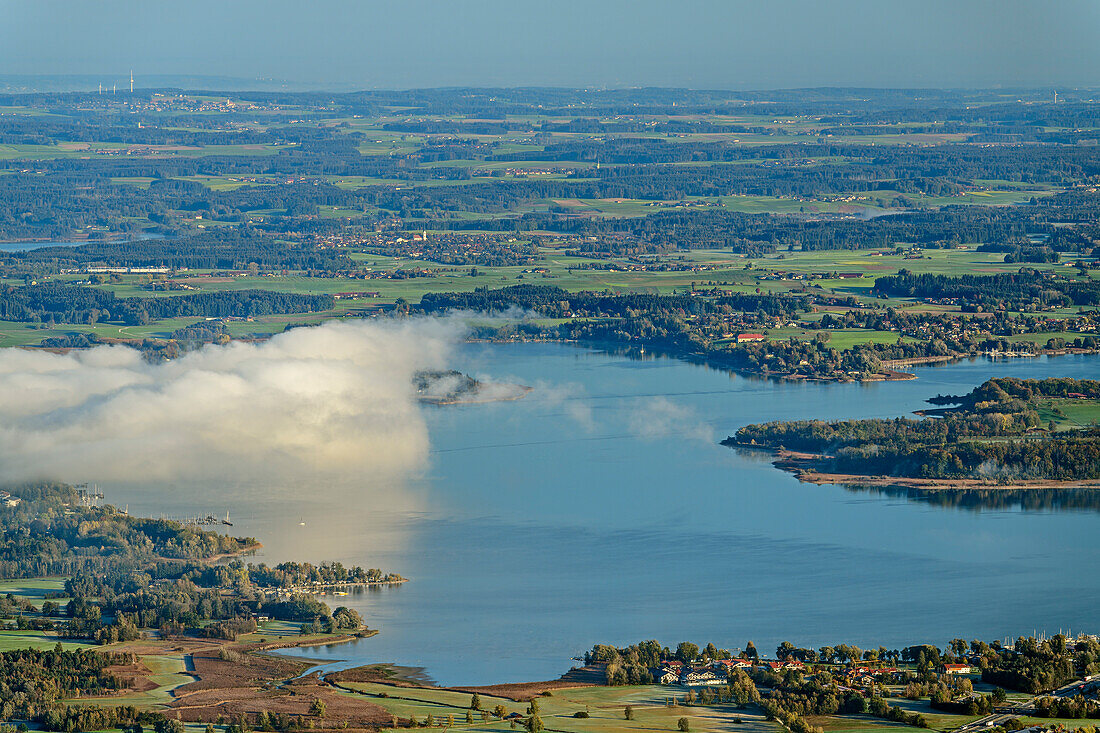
x=226, y=521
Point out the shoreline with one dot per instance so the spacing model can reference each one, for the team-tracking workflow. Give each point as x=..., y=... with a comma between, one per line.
x=890, y=369
x=415, y=678
x=313, y=589
x=802, y=466
x=276, y=647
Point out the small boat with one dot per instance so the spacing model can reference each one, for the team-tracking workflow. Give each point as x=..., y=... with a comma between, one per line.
x=226, y=521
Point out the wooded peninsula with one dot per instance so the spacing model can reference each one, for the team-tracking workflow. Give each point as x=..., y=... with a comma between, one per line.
x=1005, y=432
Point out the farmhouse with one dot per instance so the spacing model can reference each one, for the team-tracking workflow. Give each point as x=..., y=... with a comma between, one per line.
x=726, y=665
x=700, y=678
x=957, y=669
x=747, y=337
x=777, y=666
x=666, y=677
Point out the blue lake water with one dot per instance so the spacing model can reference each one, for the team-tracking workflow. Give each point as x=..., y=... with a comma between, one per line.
x=26, y=246
x=602, y=509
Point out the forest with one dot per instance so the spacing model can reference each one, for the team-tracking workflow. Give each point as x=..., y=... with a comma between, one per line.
x=76, y=304
x=1026, y=290
x=126, y=574
x=994, y=434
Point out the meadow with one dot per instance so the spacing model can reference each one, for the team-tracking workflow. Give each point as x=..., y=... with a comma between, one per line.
x=604, y=706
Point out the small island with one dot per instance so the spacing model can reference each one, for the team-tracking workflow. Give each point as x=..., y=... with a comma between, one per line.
x=453, y=388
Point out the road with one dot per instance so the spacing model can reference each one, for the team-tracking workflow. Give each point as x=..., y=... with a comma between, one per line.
x=998, y=718
x=1006, y=713
x=1087, y=685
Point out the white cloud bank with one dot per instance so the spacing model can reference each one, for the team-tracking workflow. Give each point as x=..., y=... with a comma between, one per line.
x=312, y=403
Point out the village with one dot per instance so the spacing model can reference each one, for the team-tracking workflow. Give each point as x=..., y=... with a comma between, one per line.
x=716, y=673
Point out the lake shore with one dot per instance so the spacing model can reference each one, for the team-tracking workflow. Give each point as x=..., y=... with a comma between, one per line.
x=892, y=370
x=804, y=466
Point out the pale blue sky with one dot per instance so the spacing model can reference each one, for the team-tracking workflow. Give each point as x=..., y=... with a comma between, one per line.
x=691, y=43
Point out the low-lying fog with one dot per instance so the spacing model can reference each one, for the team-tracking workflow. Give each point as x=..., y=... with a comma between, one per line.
x=328, y=402
x=287, y=432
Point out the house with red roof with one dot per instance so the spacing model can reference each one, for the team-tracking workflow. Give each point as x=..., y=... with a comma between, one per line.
x=957, y=669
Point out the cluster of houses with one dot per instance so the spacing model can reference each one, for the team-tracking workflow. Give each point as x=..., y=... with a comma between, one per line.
x=521, y=172
x=651, y=266
x=357, y=295
x=788, y=275
x=714, y=673
x=865, y=676
x=128, y=270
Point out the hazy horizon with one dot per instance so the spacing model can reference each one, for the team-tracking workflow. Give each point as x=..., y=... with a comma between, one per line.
x=704, y=44
x=81, y=83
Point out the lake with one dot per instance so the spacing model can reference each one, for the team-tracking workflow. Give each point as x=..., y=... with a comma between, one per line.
x=29, y=245
x=602, y=509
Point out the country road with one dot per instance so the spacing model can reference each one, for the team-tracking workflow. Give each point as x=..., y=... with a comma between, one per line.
x=1087, y=684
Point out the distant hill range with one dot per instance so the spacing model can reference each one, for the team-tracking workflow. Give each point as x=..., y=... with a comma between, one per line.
x=45, y=83
x=31, y=83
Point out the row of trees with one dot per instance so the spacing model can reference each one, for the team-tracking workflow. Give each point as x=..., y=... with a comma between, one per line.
x=76, y=304
x=1013, y=291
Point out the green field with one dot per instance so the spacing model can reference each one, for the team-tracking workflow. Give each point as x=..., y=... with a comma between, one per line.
x=719, y=267
x=16, y=151
x=24, y=334
x=14, y=639
x=604, y=705
x=1070, y=414
x=839, y=338
x=33, y=589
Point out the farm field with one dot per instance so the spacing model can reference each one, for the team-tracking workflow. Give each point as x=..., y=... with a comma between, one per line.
x=18, y=151
x=1070, y=414
x=728, y=271
x=12, y=639
x=604, y=706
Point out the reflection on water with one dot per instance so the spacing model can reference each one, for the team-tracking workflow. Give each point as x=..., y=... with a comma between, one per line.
x=601, y=508
x=972, y=499
x=366, y=522
x=1031, y=500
